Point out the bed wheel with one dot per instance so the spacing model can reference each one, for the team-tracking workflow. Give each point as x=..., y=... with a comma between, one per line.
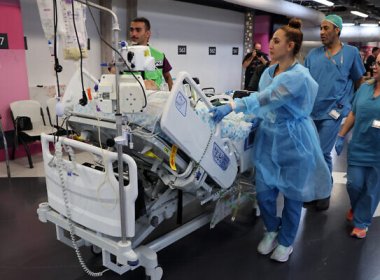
x=96, y=250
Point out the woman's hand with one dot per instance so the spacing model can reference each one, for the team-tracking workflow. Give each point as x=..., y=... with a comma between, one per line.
x=218, y=113
x=339, y=144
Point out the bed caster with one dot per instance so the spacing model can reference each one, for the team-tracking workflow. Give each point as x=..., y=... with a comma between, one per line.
x=96, y=250
x=154, y=274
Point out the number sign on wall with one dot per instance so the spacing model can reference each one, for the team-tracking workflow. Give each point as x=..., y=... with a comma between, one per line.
x=4, y=41
x=182, y=50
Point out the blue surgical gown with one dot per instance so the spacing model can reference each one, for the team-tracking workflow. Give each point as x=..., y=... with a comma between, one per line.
x=364, y=148
x=286, y=153
x=335, y=77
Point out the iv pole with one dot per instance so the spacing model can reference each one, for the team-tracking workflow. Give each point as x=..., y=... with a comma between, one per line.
x=118, y=117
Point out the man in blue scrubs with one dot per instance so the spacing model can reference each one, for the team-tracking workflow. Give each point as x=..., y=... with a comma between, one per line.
x=338, y=69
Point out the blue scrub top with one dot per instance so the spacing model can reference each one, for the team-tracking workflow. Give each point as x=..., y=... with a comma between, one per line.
x=336, y=77
x=287, y=153
x=364, y=148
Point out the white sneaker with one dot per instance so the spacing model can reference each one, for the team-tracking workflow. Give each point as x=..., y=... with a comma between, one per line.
x=268, y=243
x=281, y=253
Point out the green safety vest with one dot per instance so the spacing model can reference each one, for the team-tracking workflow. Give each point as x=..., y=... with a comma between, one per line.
x=156, y=75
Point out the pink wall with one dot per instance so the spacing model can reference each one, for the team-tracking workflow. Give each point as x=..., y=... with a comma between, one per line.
x=262, y=31
x=13, y=73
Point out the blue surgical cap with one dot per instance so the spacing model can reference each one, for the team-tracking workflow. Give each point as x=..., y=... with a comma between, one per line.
x=336, y=20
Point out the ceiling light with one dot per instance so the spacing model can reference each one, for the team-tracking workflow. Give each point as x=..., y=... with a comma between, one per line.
x=369, y=24
x=325, y=2
x=359, y=14
x=348, y=24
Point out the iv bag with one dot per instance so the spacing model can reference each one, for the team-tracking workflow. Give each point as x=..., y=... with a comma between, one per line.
x=70, y=45
x=45, y=9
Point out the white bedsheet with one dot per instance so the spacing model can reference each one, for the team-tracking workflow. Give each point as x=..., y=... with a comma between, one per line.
x=234, y=126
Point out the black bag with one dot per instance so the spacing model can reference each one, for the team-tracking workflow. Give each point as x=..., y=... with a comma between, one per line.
x=23, y=123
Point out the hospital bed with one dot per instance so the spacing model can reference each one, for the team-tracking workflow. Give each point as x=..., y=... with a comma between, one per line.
x=176, y=161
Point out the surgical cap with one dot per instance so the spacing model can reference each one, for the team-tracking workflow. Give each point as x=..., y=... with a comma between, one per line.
x=336, y=20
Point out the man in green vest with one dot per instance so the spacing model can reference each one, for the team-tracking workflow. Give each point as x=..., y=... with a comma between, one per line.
x=140, y=34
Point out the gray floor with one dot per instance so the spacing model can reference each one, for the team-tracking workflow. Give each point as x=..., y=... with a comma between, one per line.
x=323, y=249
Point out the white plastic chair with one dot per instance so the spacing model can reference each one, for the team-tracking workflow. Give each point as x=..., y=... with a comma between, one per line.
x=33, y=110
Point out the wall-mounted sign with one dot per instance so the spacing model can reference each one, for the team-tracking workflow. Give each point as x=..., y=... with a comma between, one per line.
x=212, y=50
x=4, y=41
x=235, y=51
x=182, y=50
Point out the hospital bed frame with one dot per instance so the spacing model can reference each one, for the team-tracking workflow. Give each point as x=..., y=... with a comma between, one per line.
x=128, y=255
x=84, y=217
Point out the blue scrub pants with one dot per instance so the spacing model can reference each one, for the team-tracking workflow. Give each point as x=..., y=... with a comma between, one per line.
x=328, y=130
x=363, y=187
x=287, y=225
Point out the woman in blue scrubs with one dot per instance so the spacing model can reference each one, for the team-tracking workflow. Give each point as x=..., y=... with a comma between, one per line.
x=286, y=154
x=363, y=171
